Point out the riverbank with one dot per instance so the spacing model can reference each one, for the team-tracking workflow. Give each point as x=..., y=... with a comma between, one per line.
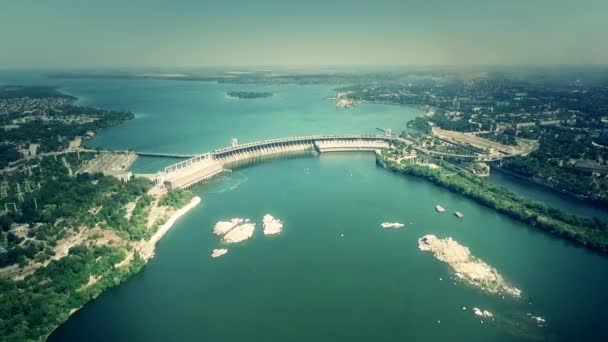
x=541, y=183
x=148, y=248
x=145, y=250
x=101, y=228
x=583, y=199
x=132, y=263
x=590, y=233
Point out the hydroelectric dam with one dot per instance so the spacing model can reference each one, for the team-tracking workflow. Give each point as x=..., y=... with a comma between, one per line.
x=201, y=167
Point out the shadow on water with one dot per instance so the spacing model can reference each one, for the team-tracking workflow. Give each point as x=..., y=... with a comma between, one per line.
x=228, y=181
x=246, y=163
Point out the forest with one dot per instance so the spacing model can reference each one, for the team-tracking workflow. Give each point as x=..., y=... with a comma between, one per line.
x=30, y=309
x=59, y=202
x=45, y=200
x=8, y=153
x=55, y=205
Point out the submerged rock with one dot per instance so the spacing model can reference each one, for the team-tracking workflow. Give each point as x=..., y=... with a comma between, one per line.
x=239, y=233
x=272, y=225
x=482, y=313
x=387, y=225
x=467, y=267
x=539, y=320
x=218, y=252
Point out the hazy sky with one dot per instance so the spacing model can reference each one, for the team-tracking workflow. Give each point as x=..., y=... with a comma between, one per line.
x=123, y=33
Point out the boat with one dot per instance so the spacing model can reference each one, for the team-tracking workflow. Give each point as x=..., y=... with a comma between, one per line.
x=439, y=208
x=458, y=214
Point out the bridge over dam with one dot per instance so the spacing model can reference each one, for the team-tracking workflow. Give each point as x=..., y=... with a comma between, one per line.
x=201, y=167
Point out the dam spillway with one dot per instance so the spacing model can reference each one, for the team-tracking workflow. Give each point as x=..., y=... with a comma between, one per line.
x=192, y=171
x=348, y=145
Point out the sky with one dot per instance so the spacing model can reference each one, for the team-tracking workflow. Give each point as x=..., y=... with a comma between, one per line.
x=180, y=33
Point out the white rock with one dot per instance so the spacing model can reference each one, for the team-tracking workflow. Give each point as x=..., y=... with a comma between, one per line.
x=467, y=267
x=538, y=319
x=239, y=233
x=272, y=225
x=223, y=227
x=482, y=313
x=387, y=225
x=218, y=252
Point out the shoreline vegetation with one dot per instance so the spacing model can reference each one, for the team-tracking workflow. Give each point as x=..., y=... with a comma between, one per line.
x=42, y=297
x=420, y=125
x=591, y=233
x=71, y=233
x=148, y=249
x=545, y=185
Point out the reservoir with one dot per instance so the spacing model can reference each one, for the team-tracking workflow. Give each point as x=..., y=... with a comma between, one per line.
x=333, y=273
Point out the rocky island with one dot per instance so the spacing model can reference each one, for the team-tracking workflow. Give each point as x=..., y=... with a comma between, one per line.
x=248, y=94
x=218, y=252
x=272, y=225
x=223, y=227
x=235, y=230
x=240, y=233
x=466, y=266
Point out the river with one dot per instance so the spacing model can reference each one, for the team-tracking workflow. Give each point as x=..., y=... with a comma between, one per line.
x=333, y=274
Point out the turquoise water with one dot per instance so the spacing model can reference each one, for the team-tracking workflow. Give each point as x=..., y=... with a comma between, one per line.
x=310, y=282
x=195, y=117
x=550, y=197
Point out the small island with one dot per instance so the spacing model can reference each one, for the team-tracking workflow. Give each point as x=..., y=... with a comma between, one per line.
x=235, y=230
x=248, y=94
x=272, y=225
x=466, y=266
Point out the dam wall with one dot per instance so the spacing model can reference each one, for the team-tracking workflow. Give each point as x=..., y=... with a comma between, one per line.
x=192, y=171
x=265, y=150
x=350, y=145
x=193, y=174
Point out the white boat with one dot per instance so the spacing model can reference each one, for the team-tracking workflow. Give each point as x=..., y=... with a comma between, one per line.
x=458, y=214
x=439, y=208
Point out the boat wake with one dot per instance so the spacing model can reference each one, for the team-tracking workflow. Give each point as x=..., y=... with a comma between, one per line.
x=230, y=182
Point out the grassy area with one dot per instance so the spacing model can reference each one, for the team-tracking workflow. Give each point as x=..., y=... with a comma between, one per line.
x=177, y=198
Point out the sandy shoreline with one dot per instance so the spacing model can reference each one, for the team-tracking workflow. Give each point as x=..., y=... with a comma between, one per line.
x=147, y=249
